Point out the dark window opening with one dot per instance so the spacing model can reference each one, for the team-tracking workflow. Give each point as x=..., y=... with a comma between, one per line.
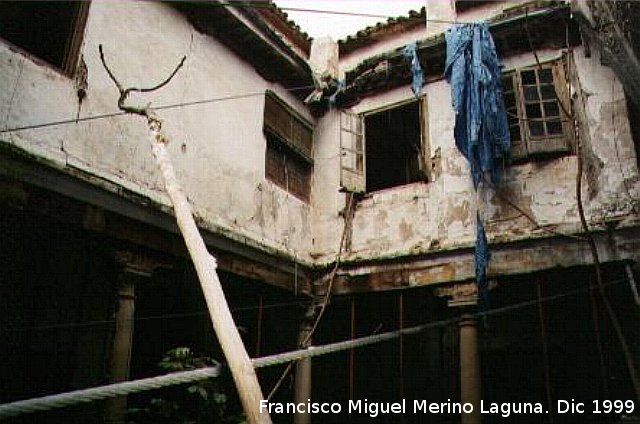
x=394, y=147
x=634, y=121
x=48, y=30
x=288, y=161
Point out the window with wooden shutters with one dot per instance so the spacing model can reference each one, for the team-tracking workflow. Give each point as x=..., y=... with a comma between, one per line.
x=289, y=155
x=396, y=145
x=537, y=123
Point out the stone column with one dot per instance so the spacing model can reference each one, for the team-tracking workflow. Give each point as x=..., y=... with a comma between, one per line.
x=465, y=295
x=121, y=348
x=135, y=267
x=122, y=341
x=470, y=376
x=302, y=382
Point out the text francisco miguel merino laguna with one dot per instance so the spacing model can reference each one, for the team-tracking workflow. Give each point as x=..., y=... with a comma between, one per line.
x=373, y=409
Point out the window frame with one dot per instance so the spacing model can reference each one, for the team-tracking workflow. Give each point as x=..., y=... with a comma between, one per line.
x=290, y=143
x=530, y=146
x=72, y=47
x=354, y=179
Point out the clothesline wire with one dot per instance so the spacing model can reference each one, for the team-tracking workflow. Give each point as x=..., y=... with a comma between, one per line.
x=177, y=105
x=161, y=107
x=215, y=99
x=251, y=5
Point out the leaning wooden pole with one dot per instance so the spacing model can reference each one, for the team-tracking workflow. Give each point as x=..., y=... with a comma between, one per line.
x=233, y=348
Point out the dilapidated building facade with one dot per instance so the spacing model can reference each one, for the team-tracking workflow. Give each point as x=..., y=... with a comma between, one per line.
x=311, y=166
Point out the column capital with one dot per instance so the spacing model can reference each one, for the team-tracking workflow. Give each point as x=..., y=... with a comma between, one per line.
x=461, y=294
x=468, y=320
x=140, y=264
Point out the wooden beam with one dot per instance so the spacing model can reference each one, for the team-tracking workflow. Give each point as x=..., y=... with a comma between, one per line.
x=514, y=258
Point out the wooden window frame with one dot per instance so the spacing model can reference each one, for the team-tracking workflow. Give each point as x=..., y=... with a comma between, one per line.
x=289, y=146
x=72, y=47
x=529, y=145
x=353, y=145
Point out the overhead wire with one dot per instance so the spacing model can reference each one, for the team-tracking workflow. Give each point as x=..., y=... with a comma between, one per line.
x=262, y=5
x=161, y=107
x=225, y=98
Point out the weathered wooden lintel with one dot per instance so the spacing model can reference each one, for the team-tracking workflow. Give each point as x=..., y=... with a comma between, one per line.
x=507, y=259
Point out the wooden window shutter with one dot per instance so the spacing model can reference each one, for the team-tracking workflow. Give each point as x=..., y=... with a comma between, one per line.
x=424, y=152
x=540, y=91
x=511, y=97
x=560, y=78
x=352, y=164
x=287, y=126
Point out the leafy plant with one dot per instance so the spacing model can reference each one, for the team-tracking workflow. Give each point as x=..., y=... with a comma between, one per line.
x=206, y=401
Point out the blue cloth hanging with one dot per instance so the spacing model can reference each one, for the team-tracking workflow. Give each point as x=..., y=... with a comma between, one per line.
x=475, y=74
x=410, y=52
x=481, y=130
x=481, y=258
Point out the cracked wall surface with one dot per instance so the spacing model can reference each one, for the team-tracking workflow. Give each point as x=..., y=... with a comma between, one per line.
x=218, y=148
x=439, y=216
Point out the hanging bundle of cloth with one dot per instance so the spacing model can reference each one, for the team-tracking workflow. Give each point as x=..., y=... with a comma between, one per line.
x=481, y=131
x=410, y=52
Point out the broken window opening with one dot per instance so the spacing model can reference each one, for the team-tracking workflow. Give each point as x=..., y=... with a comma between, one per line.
x=395, y=147
x=47, y=30
x=288, y=160
x=537, y=123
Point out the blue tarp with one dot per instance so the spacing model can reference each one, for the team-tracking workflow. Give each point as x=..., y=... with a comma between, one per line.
x=481, y=130
x=410, y=52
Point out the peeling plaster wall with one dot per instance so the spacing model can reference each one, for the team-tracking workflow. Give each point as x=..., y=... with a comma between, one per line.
x=218, y=148
x=610, y=156
x=432, y=217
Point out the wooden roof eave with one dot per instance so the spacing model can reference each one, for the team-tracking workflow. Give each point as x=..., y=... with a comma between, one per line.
x=280, y=65
x=390, y=70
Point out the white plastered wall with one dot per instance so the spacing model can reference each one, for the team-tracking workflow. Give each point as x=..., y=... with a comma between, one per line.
x=218, y=148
